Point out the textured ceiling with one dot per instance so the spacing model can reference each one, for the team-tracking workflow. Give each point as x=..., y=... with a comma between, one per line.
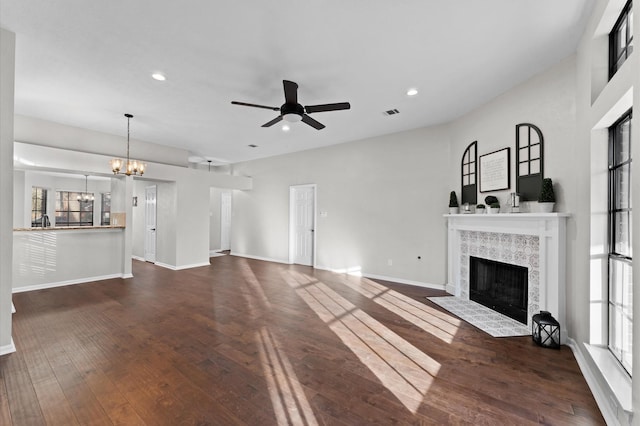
x=86, y=63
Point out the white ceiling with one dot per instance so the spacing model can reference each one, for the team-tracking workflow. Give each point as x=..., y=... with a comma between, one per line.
x=86, y=63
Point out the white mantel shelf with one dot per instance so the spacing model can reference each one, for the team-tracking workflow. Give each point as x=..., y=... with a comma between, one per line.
x=545, y=257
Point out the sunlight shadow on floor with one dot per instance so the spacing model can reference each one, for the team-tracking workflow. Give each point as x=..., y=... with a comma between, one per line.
x=402, y=368
x=287, y=396
x=433, y=321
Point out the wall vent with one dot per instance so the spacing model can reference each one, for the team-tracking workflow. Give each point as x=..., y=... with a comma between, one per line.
x=253, y=146
x=392, y=112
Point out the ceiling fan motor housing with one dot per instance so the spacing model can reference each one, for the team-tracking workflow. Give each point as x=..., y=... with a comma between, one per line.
x=288, y=108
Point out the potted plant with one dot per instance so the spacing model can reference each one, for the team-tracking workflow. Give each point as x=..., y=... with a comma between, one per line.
x=480, y=209
x=547, y=197
x=493, y=204
x=453, y=203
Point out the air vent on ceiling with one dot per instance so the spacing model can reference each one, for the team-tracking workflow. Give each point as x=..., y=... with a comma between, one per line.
x=392, y=112
x=253, y=146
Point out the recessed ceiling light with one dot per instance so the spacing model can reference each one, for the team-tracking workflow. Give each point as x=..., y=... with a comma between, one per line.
x=158, y=76
x=412, y=92
x=285, y=128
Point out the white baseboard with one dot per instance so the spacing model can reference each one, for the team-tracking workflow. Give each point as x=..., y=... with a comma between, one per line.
x=13, y=308
x=214, y=251
x=64, y=283
x=403, y=281
x=141, y=259
x=8, y=349
x=181, y=267
x=358, y=272
x=266, y=259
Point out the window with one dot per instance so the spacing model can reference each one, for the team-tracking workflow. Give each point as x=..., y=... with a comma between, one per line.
x=621, y=40
x=468, y=171
x=620, y=247
x=105, y=217
x=529, y=161
x=72, y=212
x=39, y=207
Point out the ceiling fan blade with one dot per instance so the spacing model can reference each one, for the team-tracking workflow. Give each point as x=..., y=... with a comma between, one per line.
x=272, y=122
x=311, y=122
x=290, y=92
x=255, y=106
x=327, y=107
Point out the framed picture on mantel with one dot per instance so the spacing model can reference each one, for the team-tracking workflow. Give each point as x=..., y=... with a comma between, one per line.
x=495, y=170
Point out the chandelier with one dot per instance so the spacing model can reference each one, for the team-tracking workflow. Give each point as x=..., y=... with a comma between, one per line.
x=128, y=167
x=85, y=196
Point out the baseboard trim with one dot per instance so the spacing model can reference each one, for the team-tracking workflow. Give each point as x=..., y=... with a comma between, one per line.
x=13, y=308
x=266, y=259
x=211, y=252
x=403, y=281
x=65, y=283
x=358, y=272
x=181, y=267
x=8, y=349
x=141, y=259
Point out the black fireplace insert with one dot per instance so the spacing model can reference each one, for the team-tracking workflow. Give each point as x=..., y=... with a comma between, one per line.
x=500, y=286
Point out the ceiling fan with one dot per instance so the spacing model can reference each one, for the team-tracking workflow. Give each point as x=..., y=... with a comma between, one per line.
x=292, y=111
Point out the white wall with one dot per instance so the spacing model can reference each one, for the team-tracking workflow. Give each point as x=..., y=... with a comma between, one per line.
x=383, y=198
x=7, y=73
x=44, y=259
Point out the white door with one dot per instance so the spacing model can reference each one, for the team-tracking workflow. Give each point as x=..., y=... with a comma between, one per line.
x=302, y=224
x=150, y=223
x=225, y=221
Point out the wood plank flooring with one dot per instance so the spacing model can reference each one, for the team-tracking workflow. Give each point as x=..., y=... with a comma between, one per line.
x=247, y=342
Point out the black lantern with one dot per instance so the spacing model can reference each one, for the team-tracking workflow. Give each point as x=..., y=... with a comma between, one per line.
x=545, y=330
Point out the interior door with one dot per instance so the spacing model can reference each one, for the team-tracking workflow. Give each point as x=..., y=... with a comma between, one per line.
x=225, y=220
x=303, y=224
x=150, y=223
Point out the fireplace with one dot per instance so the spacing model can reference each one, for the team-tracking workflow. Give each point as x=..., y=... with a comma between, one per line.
x=499, y=286
x=535, y=241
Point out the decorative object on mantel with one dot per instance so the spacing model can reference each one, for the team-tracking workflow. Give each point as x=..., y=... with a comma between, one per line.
x=466, y=208
x=545, y=330
x=131, y=167
x=547, y=198
x=453, y=203
x=493, y=205
x=480, y=209
x=85, y=196
x=529, y=161
x=495, y=170
x=515, y=202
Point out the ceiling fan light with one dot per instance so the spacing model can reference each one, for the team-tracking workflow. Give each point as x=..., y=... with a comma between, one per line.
x=292, y=118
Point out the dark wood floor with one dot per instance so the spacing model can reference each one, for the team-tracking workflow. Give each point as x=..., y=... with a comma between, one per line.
x=258, y=343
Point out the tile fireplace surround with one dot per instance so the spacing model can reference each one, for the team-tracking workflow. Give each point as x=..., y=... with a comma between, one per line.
x=536, y=241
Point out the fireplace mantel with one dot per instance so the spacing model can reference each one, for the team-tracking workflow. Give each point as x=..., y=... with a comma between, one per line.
x=535, y=240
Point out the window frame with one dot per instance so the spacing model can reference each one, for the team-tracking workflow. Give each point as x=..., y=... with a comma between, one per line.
x=105, y=213
x=41, y=210
x=469, y=192
x=72, y=197
x=616, y=258
x=614, y=57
